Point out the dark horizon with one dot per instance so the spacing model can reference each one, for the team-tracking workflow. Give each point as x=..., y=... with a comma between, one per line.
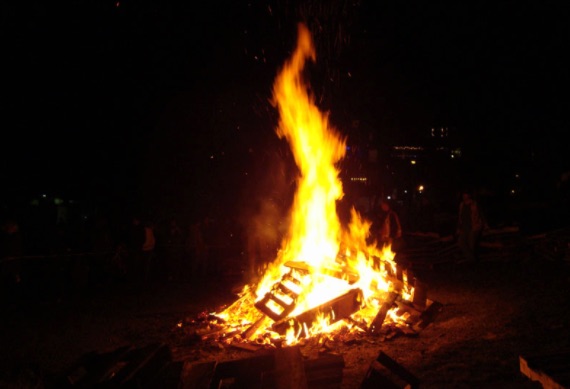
x=128, y=102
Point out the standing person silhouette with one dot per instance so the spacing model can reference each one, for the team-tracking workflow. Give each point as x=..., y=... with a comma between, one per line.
x=389, y=227
x=136, y=239
x=148, y=251
x=469, y=227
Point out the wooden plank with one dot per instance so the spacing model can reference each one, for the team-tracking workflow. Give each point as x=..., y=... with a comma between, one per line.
x=146, y=365
x=385, y=372
x=94, y=368
x=428, y=316
x=420, y=293
x=551, y=370
x=376, y=324
x=342, y=306
x=243, y=373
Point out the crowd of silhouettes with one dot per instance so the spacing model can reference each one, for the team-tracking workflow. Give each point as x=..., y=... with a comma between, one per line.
x=135, y=251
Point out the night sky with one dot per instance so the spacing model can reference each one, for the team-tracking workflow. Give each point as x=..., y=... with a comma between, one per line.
x=168, y=103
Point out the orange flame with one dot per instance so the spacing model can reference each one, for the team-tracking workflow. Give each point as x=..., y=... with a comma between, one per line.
x=315, y=235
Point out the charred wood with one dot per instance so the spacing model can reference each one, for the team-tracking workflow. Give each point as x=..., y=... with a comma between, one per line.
x=385, y=372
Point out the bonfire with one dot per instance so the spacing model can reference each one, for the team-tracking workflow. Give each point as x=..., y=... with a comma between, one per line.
x=326, y=277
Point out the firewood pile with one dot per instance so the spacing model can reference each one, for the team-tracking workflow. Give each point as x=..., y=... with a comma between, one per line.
x=208, y=355
x=152, y=367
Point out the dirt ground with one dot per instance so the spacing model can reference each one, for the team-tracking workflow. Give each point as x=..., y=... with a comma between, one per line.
x=493, y=312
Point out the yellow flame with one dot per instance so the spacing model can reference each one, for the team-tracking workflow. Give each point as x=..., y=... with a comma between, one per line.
x=315, y=236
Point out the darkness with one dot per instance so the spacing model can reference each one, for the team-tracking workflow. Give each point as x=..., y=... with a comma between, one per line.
x=163, y=107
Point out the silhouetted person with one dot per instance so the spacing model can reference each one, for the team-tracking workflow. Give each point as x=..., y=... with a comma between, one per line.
x=388, y=227
x=149, y=244
x=102, y=247
x=174, y=250
x=469, y=227
x=198, y=252
x=136, y=238
x=11, y=251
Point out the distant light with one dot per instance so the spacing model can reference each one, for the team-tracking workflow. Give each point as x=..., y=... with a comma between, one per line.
x=211, y=157
x=452, y=156
x=406, y=191
x=512, y=191
x=421, y=188
x=117, y=4
x=413, y=161
x=44, y=196
x=517, y=176
x=389, y=197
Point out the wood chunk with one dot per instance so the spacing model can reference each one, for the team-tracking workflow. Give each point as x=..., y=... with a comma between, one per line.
x=385, y=372
x=148, y=367
x=376, y=324
x=247, y=346
x=144, y=364
x=197, y=375
x=289, y=370
x=243, y=373
x=428, y=316
x=420, y=294
x=251, y=331
x=325, y=371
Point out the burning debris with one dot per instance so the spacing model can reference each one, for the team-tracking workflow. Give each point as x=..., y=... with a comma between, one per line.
x=326, y=278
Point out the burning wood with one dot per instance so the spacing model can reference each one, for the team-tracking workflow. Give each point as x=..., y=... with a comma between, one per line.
x=335, y=310
x=326, y=276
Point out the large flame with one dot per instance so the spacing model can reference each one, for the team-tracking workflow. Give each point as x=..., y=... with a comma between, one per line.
x=315, y=236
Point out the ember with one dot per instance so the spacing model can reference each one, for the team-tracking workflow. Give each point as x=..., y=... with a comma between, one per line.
x=325, y=276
